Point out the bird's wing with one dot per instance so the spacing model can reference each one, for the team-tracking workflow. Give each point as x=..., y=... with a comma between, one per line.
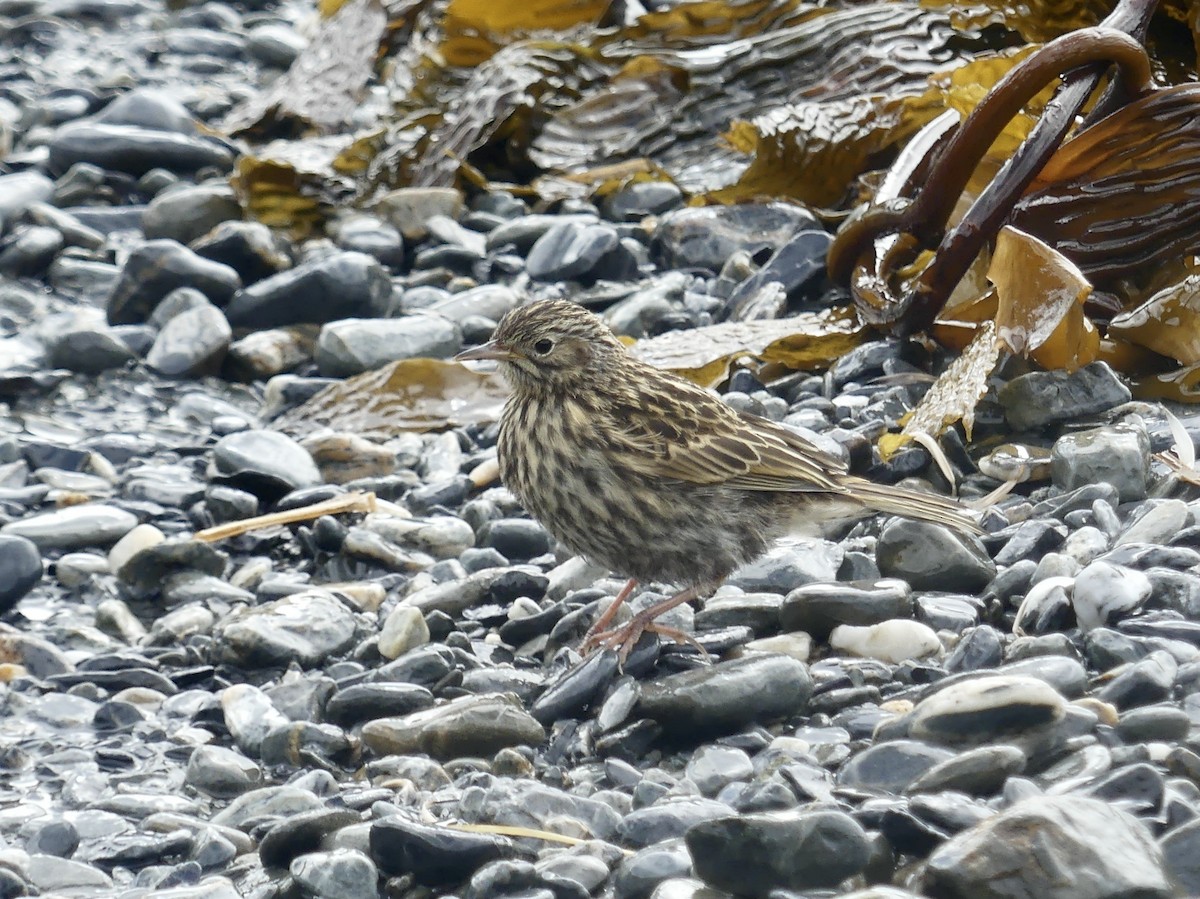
x=684, y=432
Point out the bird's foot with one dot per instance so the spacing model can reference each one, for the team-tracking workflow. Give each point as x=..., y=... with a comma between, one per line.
x=624, y=638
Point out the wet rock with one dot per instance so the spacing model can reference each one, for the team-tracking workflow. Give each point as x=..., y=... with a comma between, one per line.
x=158, y=267
x=20, y=569
x=892, y=767
x=977, y=772
x=192, y=344
x=1119, y=456
x=249, y=248
x=984, y=709
x=19, y=191
x=222, y=773
x=346, y=873
x=724, y=697
x=90, y=350
x=755, y=854
x=1103, y=593
x=337, y=286
x=354, y=345
x=185, y=213
x=889, y=641
x=409, y=209
x=432, y=855
x=570, y=251
x=818, y=608
x=306, y=628
x=1053, y=847
x=265, y=463
x=1045, y=397
x=470, y=725
x=932, y=557
x=90, y=524
x=705, y=237
x=135, y=150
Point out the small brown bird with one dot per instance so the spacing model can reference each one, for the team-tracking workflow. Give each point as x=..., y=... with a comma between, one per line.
x=654, y=477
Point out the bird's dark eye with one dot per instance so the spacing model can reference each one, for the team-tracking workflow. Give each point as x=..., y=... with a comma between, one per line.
x=543, y=346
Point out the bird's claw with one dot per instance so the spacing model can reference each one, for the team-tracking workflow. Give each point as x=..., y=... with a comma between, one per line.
x=624, y=638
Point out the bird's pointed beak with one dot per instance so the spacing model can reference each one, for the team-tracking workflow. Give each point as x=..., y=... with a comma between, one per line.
x=490, y=350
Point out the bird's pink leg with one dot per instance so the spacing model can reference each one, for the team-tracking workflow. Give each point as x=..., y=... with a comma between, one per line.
x=625, y=637
x=601, y=624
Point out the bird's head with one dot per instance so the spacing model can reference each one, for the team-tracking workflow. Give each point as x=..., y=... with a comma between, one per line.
x=549, y=345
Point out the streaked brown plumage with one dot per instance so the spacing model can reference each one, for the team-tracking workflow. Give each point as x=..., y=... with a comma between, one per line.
x=653, y=477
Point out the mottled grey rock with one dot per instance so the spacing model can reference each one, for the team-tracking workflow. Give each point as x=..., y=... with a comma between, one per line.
x=932, y=557
x=1045, y=397
x=469, y=725
x=354, y=345
x=306, y=628
x=1118, y=455
x=752, y=855
x=1057, y=847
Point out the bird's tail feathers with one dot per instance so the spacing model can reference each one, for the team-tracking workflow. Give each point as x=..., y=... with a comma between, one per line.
x=916, y=504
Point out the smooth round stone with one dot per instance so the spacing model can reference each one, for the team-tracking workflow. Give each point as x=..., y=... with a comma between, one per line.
x=340, y=285
x=469, y=725
x=274, y=45
x=135, y=150
x=409, y=209
x=365, y=702
x=758, y=611
x=891, y=767
x=442, y=536
x=76, y=569
x=20, y=569
x=1151, y=723
x=668, y=818
x=185, y=213
x=754, y=854
x=517, y=539
x=1060, y=847
x=652, y=868
x=222, y=773
x=1040, y=398
x=705, y=237
x=249, y=716
x=635, y=202
x=286, y=801
x=20, y=190
x=298, y=834
x=491, y=301
x=570, y=251
x=249, y=248
x=1144, y=682
x=158, y=267
x=344, y=872
x=793, y=267
x=266, y=463
x=192, y=344
x=30, y=249
x=264, y=354
x=712, y=768
x=61, y=875
x=89, y=524
x=432, y=855
x=1104, y=592
x=137, y=540
x=1119, y=456
x=367, y=234
x=89, y=351
x=797, y=644
x=786, y=568
x=294, y=742
x=889, y=641
x=819, y=608
x=148, y=108
x=402, y=630
x=57, y=838
x=724, y=697
x=305, y=628
x=1159, y=525
x=980, y=710
x=1064, y=674
x=576, y=689
x=932, y=557
x=976, y=772
x=354, y=345
x=1181, y=852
